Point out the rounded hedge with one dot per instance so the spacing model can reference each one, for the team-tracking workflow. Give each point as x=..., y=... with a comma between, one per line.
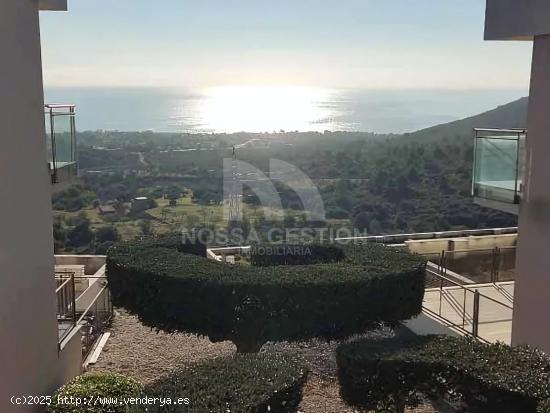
x=247, y=383
x=250, y=305
x=390, y=374
x=88, y=388
x=292, y=254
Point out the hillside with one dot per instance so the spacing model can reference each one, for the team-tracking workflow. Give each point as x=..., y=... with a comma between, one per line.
x=511, y=115
x=418, y=182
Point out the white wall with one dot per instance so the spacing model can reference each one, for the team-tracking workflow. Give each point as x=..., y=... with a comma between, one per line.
x=435, y=246
x=532, y=292
x=70, y=357
x=28, y=329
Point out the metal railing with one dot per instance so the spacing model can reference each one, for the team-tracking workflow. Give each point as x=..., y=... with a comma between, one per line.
x=66, y=303
x=91, y=320
x=95, y=318
x=460, y=306
x=479, y=266
x=61, y=135
x=400, y=238
x=499, y=163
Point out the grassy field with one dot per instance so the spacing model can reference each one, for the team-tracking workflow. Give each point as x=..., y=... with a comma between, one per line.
x=186, y=214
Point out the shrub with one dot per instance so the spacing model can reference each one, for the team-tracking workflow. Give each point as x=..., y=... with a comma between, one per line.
x=91, y=386
x=174, y=242
x=245, y=383
x=105, y=234
x=251, y=305
x=389, y=374
x=544, y=406
x=288, y=254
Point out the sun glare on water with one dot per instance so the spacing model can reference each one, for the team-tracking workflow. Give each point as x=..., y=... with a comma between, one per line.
x=263, y=109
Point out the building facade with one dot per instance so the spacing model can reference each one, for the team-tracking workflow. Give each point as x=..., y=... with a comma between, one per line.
x=30, y=357
x=529, y=20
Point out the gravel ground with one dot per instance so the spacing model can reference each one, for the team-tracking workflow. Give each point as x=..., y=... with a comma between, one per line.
x=139, y=352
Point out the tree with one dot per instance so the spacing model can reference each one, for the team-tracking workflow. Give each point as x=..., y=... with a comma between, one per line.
x=361, y=221
x=80, y=235
x=105, y=234
x=145, y=227
x=59, y=233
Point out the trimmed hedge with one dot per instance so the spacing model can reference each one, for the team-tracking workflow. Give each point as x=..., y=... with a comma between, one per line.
x=544, y=406
x=174, y=242
x=88, y=387
x=244, y=383
x=389, y=374
x=292, y=254
x=251, y=305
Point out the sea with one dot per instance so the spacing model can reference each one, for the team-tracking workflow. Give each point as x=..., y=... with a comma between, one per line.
x=230, y=109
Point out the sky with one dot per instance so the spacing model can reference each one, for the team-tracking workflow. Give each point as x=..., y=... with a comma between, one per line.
x=356, y=44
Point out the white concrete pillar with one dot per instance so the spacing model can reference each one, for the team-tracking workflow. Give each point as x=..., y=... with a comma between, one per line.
x=28, y=328
x=532, y=292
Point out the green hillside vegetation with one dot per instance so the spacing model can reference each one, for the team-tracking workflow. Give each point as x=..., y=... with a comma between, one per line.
x=382, y=184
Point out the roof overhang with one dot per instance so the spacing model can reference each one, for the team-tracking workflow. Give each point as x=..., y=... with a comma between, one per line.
x=53, y=5
x=517, y=19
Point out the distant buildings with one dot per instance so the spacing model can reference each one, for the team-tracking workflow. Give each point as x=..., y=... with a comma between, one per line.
x=140, y=204
x=106, y=210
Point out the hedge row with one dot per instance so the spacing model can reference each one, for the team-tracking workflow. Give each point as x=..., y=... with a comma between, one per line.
x=252, y=383
x=389, y=374
x=86, y=389
x=251, y=305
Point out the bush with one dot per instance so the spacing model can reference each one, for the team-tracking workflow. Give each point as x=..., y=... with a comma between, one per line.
x=251, y=383
x=287, y=254
x=389, y=374
x=544, y=406
x=90, y=386
x=107, y=234
x=173, y=242
x=251, y=305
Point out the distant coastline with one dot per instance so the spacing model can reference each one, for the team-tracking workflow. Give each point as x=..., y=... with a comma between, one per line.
x=378, y=111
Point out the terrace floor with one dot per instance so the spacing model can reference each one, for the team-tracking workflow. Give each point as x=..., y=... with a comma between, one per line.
x=495, y=319
x=142, y=353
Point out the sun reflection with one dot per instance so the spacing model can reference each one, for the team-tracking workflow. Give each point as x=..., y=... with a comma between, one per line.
x=264, y=109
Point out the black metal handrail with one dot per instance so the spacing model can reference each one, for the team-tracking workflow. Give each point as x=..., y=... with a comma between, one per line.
x=66, y=303
x=95, y=319
x=446, y=284
x=497, y=260
x=92, y=320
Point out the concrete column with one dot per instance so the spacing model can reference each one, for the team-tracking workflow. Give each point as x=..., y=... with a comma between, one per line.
x=28, y=328
x=532, y=292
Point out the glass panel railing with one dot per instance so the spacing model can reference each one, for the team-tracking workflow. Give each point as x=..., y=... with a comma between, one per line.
x=498, y=164
x=61, y=138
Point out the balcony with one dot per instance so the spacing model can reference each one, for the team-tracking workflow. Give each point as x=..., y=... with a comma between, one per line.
x=498, y=168
x=61, y=137
x=84, y=307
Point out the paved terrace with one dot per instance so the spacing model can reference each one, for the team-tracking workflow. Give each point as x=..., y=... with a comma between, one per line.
x=454, y=307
